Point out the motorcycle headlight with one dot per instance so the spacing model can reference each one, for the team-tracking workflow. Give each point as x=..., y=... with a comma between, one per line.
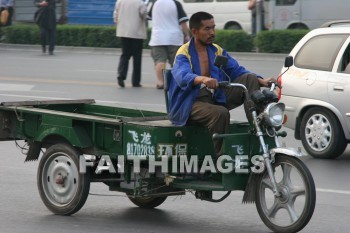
x=274, y=114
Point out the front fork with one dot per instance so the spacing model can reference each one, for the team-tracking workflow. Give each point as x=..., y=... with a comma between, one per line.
x=266, y=155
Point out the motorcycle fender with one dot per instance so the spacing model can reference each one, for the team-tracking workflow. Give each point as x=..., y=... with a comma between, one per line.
x=286, y=151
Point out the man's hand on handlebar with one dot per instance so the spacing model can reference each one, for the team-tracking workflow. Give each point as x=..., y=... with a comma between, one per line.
x=267, y=82
x=211, y=83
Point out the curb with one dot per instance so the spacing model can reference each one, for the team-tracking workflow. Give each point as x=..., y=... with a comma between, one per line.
x=111, y=51
x=115, y=51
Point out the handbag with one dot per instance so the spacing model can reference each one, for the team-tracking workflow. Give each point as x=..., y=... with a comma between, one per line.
x=37, y=15
x=4, y=17
x=42, y=17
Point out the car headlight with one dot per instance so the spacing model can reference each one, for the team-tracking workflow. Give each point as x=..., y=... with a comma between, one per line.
x=274, y=114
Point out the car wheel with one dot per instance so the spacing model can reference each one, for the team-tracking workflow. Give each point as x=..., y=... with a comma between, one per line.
x=298, y=26
x=321, y=134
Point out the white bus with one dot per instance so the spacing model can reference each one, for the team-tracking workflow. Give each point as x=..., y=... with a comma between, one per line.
x=304, y=14
x=228, y=14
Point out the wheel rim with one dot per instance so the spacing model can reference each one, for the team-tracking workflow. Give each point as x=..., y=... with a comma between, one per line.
x=287, y=209
x=318, y=132
x=60, y=179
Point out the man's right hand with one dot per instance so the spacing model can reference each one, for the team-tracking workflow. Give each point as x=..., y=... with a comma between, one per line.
x=211, y=83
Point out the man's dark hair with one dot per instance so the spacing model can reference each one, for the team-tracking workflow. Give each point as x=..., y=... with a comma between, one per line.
x=196, y=19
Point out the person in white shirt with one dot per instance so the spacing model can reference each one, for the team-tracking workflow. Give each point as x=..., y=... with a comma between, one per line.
x=169, y=32
x=130, y=17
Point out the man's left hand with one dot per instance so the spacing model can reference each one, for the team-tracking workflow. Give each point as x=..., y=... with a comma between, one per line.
x=265, y=82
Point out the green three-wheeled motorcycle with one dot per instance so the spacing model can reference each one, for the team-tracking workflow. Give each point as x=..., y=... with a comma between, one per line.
x=141, y=154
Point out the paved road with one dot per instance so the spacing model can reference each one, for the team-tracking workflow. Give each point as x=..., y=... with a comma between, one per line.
x=25, y=74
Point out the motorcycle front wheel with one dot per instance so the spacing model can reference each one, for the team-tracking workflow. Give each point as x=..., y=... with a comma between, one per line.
x=294, y=208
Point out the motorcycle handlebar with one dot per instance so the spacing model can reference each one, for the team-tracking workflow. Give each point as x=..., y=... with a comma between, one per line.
x=272, y=86
x=224, y=84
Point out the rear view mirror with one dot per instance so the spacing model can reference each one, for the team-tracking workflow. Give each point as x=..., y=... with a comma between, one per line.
x=220, y=61
x=289, y=61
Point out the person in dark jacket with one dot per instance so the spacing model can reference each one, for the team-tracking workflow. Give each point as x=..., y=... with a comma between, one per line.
x=46, y=19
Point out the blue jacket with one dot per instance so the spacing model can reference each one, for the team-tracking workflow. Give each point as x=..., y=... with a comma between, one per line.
x=186, y=67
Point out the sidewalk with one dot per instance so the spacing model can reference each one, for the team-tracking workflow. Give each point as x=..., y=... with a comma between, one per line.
x=115, y=51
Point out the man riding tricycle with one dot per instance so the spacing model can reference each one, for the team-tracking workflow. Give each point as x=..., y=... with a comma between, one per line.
x=148, y=157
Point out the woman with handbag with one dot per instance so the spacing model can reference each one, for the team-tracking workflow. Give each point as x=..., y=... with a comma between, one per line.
x=45, y=17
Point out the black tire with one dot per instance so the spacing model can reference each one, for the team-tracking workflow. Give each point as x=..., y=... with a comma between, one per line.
x=147, y=202
x=321, y=134
x=298, y=26
x=233, y=26
x=62, y=188
x=297, y=203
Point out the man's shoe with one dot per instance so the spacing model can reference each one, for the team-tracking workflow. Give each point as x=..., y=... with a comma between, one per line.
x=50, y=52
x=121, y=83
x=159, y=87
x=137, y=85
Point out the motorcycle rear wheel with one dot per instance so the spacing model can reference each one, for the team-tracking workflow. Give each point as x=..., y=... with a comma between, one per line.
x=62, y=188
x=293, y=210
x=147, y=202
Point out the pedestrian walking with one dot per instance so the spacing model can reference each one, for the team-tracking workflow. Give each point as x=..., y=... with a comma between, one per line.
x=130, y=17
x=8, y=6
x=257, y=16
x=252, y=8
x=45, y=17
x=169, y=32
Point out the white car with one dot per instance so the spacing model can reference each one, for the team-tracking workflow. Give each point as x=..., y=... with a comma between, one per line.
x=316, y=91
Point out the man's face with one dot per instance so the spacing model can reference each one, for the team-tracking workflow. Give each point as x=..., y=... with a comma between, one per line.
x=206, y=33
